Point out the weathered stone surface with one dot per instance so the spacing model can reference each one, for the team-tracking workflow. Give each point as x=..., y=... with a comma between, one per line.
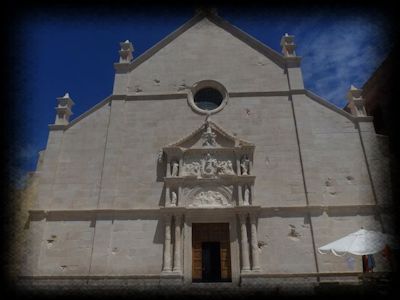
x=277, y=155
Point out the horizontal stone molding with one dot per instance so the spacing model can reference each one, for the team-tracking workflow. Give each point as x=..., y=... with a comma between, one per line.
x=185, y=95
x=220, y=179
x=333, y=107
x=359, y=275
x=82, y=116
x=303, y=275
x=89, y=214
x=259, y=94
x=149, y=96
x=92, y=277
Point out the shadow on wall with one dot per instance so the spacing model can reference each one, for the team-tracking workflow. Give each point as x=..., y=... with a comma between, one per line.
x=163, y=196
x=161, y=168
x=159, y=234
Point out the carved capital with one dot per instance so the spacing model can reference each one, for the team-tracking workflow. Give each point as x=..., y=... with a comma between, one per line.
x=243, y=217
x=253, y=218
x=167, y=219
x=178, y=218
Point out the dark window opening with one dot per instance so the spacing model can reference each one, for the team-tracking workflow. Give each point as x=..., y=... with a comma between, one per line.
x=208, y=99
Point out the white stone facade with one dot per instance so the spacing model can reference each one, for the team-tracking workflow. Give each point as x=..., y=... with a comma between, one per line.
x=120, y=186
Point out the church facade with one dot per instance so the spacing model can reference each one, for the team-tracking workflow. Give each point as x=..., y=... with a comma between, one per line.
x=210, y=162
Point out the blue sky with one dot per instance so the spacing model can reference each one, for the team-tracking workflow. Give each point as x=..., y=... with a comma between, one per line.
x=75, y=54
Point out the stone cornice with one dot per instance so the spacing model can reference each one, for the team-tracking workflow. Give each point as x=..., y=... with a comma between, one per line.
x=221, y=179
x=92, y=277
x=82, y=116
x=333, y=107
x=311, y=95
x=244, y=275
x=343, y=210
x=184, y=95
x=329, y=105
x=321, y=274
x=292, y=61
x=150, y=96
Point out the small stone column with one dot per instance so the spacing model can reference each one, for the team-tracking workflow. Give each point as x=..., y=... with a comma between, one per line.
x=177, y=246
x=238, y=171
x=246, y=195
x=167, y=196
x=168, y=168
x=179, y=194
x=180, y=171
x=254, y=244
x=240, y=196
x=167, y=244
x=251, y=201
x=244, y=242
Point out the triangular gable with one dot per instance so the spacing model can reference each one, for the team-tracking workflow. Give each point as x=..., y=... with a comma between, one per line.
x=218, y=21
x=205, y=49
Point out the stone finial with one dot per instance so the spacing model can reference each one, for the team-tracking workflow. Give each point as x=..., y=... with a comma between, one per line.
x=356, y=102
x=288, y=45
x=63, y=109
x=125, y=53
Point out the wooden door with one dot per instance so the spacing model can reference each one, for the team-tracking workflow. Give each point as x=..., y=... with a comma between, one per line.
x=225, y=261
x=196, y=261
x=211, y=232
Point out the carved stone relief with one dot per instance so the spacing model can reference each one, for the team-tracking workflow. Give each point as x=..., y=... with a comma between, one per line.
x=208, y=137
x=208, y=167
x=245, y=165
x=209, y=196
x=174, y=198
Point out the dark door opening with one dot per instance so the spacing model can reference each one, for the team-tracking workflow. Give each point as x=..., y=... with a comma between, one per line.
x=211, y=259
x=211, y=262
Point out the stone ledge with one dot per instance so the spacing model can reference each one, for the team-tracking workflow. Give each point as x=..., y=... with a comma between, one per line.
x=264, y=284
x=316, y=209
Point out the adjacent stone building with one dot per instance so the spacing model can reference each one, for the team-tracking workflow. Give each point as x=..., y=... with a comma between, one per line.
x=211, y=162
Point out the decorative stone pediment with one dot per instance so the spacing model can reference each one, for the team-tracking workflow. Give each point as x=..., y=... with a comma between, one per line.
x=208, y=168
x=209, y=135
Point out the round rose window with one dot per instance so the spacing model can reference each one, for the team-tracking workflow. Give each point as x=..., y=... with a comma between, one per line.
x=208, y=98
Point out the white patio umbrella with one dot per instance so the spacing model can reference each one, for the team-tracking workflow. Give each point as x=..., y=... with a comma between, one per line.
x=361, y=242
